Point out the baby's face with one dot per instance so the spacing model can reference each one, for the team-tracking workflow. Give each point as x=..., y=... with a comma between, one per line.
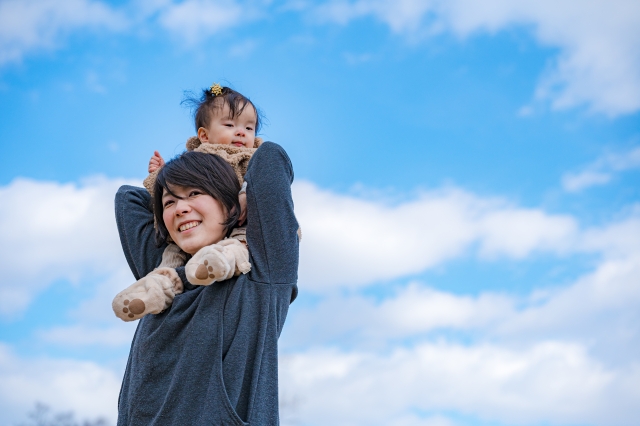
x=237, y=131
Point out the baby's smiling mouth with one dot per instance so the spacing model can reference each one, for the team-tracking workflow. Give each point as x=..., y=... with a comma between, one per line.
x=237, y=143
x=188, y=225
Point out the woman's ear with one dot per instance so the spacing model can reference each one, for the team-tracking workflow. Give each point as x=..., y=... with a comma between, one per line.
x=203, y=135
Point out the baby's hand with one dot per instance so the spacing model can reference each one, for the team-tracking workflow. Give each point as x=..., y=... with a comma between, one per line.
x=155, y=162
x=243, y=208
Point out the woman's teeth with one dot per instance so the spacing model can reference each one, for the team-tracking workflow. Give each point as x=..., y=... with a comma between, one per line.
x=188, y=226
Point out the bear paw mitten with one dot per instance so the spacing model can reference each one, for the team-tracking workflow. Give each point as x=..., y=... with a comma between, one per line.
x=237, y=254
x=218, y=262
x=208, y=265
x=149, y=295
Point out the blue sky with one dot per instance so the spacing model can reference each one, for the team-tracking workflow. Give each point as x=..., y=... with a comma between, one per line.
x=467, y=180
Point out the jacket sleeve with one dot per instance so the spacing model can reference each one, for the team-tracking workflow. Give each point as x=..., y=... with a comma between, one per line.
x=271, y=224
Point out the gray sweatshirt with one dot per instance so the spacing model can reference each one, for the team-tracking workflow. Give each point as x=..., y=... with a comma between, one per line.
x=212, y=357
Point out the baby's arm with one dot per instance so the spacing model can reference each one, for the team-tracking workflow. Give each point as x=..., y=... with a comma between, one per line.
x=155, y=162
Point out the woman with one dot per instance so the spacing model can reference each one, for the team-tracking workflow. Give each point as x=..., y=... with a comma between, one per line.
x=212, y=357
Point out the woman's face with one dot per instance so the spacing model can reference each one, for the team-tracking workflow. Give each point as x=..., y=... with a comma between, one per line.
x=193, y=218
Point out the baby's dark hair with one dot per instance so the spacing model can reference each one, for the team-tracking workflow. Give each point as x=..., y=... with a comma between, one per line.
x=206, y=172
x=204, y=106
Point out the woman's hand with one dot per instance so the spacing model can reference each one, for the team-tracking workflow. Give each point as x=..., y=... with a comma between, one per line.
x=243, y=208
x=155, y=162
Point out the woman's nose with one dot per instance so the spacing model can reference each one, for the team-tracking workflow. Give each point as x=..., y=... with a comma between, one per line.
x=182, y=207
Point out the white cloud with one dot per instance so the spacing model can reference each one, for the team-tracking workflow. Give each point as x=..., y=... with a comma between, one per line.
x=353, y=242
x=31, y=26
x=403, y=16
x=97, y=309
x=85, y=388
x=79, y=335
x=568, y=354
x=412, y=313
x=601, y=171
x=616, y=240
x=415, y=420
x=550, y=381
x=348, y=242
x=599, y=41
x=194, y=20
x=56, y=231
x=95, y=324
x=599, y=309
x=517, y=232
x=28, y=26
x=563, y=355
x=579, y=181
x=598, y=63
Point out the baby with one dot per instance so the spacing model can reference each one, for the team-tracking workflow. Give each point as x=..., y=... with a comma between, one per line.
x=226, y=123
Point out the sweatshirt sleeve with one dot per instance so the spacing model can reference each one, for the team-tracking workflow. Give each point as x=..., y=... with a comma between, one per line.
x=271, y=224
x=135, y=226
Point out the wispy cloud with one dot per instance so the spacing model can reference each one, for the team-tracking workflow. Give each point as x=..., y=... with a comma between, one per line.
x=75, y=336
x=585, y=310
x=28, y=26
x=350, y=242
x=601, y=171
x=194, y=20
x=599, y=42
x=31, y=26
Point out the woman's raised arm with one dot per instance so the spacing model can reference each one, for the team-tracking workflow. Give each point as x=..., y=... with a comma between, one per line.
x=271, y=224
x=135, y=226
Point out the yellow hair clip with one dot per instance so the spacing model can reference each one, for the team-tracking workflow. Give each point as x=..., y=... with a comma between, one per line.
x=216, y=89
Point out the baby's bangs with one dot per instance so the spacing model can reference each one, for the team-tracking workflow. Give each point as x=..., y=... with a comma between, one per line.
x=235, y=101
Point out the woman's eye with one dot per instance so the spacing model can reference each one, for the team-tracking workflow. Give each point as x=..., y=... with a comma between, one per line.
x=194, y=193
x=167, y=203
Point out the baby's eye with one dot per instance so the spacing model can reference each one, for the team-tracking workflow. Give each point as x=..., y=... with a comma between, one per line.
x=229, y=125
x=250, y=128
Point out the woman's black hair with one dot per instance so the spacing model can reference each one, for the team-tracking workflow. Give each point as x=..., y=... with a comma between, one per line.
x=206, y=172
x=204, y=106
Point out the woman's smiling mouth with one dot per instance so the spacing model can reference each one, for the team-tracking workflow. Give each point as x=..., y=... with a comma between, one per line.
x=188, y=225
